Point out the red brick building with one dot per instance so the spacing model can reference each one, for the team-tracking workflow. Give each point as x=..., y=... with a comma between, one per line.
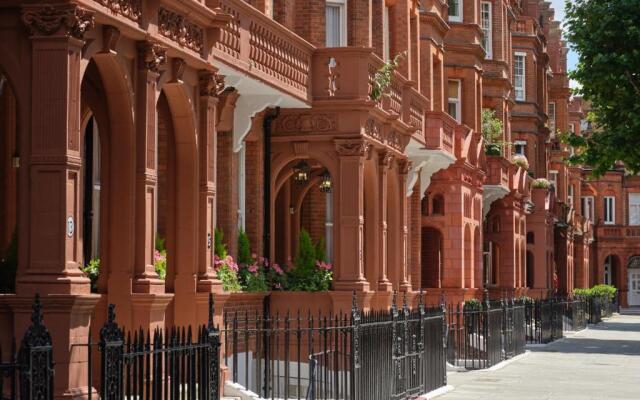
x=122, y=120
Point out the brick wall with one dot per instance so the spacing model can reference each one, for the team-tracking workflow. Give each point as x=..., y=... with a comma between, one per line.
x=313, y=213
x=227, y=192
x=254, y=177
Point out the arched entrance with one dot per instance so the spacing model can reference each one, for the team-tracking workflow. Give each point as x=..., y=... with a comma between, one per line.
x=633, y=276
x=529, y=265
x=9, y=164
x=432, y=258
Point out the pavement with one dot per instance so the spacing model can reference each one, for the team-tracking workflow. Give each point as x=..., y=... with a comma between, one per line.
x=600, y=362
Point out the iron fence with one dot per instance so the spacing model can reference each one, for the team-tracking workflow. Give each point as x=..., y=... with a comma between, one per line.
x=389, y=354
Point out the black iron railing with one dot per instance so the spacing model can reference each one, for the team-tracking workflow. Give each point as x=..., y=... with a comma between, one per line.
x=391, y=354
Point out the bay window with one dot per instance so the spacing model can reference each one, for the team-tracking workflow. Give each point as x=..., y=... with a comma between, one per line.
x=519, y=75
x=485, y=24
x=455, y=109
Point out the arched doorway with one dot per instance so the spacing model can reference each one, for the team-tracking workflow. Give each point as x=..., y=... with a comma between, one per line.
x=303, y=200
x=432, y=258
x=633, y=276
x=9, y=164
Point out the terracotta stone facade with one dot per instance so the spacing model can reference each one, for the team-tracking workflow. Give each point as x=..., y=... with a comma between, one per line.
x=117, y=126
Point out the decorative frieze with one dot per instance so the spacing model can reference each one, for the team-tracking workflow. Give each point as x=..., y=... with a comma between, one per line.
x=179, y=29
x=373, y=130
x=211, y=83
x=151, y=55
x=304, y=123
x=357, y=147
x=66, y=20
x=131, y=9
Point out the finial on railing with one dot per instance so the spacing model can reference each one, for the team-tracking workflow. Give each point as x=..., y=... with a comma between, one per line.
x=111, y=313
x=405, y=304
x=354, y=301
x=421, y=298
x=36, y=314
x=486, y=296
x=394, y=298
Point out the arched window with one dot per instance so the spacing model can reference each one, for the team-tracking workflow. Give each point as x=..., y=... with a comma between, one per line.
x=424, y=205
x=437, y=205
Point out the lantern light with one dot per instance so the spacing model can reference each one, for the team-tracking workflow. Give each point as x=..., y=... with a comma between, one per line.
x=325, y=183
x=301, y=172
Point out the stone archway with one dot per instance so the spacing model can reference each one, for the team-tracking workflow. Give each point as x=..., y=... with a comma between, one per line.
x=633, y=281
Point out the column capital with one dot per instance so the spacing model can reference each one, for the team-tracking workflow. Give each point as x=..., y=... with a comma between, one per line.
x=352, y=147
x=404, y=165
x=211, y=83
x=65, y=20
x=151, y=55
x=385, y=159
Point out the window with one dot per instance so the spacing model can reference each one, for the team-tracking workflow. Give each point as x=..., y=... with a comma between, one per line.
x=553, y=178
x=485, y=23
x=455, y=10
x=570, y=196
x=609, y=210
x=336, y=23
x=438, y=205
x=454, y=100
x=520, y=147
x=386, y=39
x=634, y=209
x=572, y=128
x=552, y=119
x=519, y=75
x=587, y=207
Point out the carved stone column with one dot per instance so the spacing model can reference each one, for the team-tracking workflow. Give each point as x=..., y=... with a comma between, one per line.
x=385, y=160
x=150, y=57
x=210, y=87
x=54, y=161
x=350, y=215
x=404, y=166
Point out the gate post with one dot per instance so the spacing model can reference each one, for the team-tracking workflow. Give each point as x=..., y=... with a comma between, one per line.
x=445, y=333
x=111, y=350
x=36, y=358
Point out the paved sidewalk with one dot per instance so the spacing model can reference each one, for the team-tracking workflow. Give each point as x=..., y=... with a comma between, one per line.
x=602, y=362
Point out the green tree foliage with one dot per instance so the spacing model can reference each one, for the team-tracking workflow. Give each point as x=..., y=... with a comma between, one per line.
x=244, y=249
x=606, y=35
x=219, y=248
x=309, y=274
x=492, y=133
x=321, y=252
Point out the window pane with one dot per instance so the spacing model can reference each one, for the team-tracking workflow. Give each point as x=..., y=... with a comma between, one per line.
x=518, y=76
x=454, y=8
x=453, y=110
x=453, y=89
x=333, y=26
x=485, y=22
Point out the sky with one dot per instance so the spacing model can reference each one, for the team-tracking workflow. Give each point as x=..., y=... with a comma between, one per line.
x=558, y=6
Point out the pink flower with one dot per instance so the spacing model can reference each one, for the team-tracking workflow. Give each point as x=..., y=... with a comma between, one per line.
x=254, y=256
x=277, y=268
x=324, y=265
x=253, y=268
x=158, y=257
x=278, y=285
x=230, y=263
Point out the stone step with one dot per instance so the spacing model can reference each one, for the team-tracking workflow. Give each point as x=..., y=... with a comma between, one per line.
x=630, y=311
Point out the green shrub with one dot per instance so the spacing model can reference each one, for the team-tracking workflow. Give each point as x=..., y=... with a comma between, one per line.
x=219, y=248
x=244, y=249
x=603, y=291
x=9, y=266
x=310, y=273
x=92, y=269
x=321, y=250
x=472, y=304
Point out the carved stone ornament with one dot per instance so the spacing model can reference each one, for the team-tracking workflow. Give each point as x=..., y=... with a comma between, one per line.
x=385, y=159
x=404, y=166
x=394, y=140
x=372, y=129
x=151, y=55
x=66, y=20
x=307, y=123
x=179, y=29
x=131, y=9
x=358, y=148
x=211, y=83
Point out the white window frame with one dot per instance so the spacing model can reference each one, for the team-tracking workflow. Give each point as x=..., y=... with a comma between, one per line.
x=588, y=204
x=570, y=195
x=552, y=117
x=572, y=128
x=488, y=30
x=386, y=37
x=520, y=92
x=523, y=144
x=609, y=210
x=458, y=101
x=634, y=202
x=459, y=17
x=342, y=5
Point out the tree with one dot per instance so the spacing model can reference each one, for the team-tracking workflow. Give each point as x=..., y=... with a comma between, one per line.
x=605, y=34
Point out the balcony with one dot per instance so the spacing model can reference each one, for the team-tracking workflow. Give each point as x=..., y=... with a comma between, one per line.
x=618, y=232
x=261, y=48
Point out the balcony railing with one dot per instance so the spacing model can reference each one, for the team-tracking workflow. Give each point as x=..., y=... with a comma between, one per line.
x=348, y=73
x=618, y=232
x=261, y=47
x=440, y=133
x=498, y=171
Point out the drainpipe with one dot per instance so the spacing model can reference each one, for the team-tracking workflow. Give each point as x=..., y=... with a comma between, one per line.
x=266, y=126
